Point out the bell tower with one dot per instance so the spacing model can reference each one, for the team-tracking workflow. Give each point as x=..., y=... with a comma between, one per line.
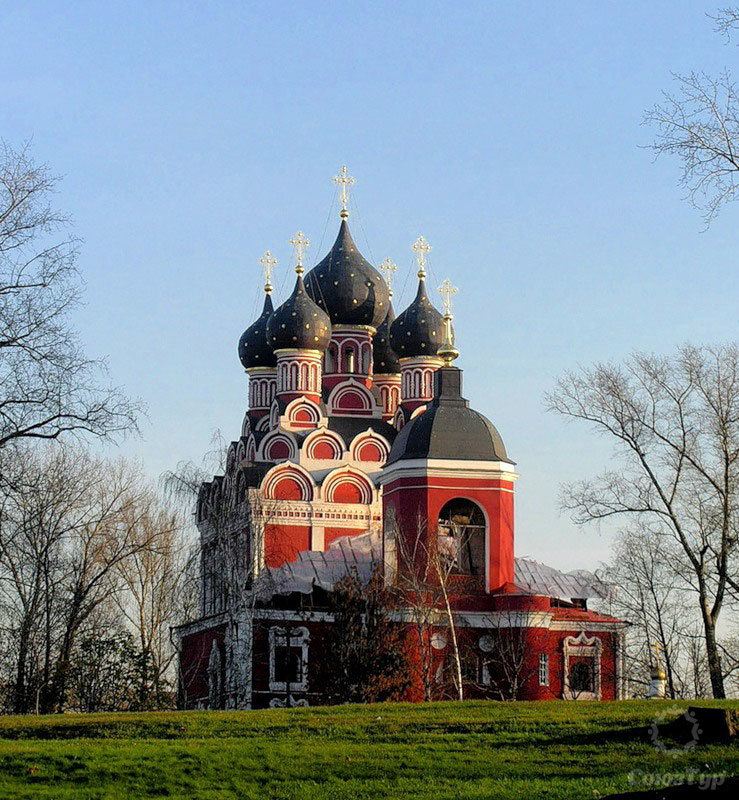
x=448, y=490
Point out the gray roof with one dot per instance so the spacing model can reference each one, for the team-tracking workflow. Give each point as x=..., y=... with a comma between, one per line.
x=359, y=554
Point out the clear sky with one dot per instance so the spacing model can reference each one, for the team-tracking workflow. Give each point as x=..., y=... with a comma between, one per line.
x=192, y=136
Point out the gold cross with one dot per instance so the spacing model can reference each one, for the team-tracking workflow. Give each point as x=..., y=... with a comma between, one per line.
x=345, y=181
x=447, y=291
x=301, y=244
x=421, y=246
x=447, y=351
x=268, y=262
x=388, y=267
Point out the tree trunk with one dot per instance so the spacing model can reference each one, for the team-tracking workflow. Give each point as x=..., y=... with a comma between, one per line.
x=714, y=659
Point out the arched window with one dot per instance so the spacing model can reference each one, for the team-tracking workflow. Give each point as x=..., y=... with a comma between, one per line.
x=462, y=537
x=349, y=360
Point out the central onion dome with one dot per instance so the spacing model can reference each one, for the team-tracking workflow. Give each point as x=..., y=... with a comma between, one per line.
x=346, y=286
x=299, y=323
x=419, y=330
x=385, y=360
x=449, y=428
x=254, y=351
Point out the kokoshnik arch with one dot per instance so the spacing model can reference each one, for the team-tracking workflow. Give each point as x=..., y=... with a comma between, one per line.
x=357, y=446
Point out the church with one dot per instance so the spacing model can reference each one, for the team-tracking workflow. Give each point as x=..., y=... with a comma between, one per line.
x=360, y=456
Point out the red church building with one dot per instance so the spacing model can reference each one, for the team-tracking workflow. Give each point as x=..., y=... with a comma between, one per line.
x=358, y=454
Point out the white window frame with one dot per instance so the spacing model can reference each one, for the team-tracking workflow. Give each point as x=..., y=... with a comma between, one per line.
x=582, y=646
x=298, y=637
x=544, y=669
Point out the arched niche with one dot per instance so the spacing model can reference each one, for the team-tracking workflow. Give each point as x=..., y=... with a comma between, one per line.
x=461, y=537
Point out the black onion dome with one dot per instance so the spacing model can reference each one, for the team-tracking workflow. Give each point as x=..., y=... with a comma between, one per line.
x=346, y=286
x=419, y=330
x=253, y=348
x=299, y=323
x=385, y=360
x=449, y=428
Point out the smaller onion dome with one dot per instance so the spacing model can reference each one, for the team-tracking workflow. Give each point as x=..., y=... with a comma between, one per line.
x=419, y=330
x=385, y=360
x=299, y=323
x=254, y=351
x=449, y=428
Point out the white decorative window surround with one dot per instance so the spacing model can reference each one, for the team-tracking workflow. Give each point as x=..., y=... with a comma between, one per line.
x=582, y=679
x=288, y=659
x=544, y=669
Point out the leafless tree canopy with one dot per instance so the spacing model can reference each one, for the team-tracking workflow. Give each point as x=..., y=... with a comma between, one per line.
x=699, y=124
x=91, y=565
x=675, y=426
x=47, y=385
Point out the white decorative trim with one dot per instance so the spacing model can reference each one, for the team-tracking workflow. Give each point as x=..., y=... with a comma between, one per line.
x=357, y=387
x=369, y=437
x=278, y=434
x=298, y=638
x=584, y=647
x=504, y=619
x=292, y=616
x=346, y=474
x=583, y=625
x=277, y=702
x=288, y=469
x=448, y=468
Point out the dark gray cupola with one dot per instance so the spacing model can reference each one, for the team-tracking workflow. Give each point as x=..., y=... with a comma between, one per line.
x=385, y=360
x=346, y=286
x=299, y=322
x=449, y=428
x=254, y=350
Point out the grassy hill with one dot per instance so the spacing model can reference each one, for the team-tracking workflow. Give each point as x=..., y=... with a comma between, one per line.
x=442, y=750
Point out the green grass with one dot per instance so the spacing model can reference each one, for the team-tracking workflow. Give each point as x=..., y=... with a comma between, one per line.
x=441, y=750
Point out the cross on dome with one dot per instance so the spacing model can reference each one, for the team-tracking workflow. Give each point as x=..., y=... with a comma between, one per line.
x=447, y=291
x=447, y=350
x=268, y=262
x=388, y=267
x=422, y=247
x=344, y=180
x=301, y=243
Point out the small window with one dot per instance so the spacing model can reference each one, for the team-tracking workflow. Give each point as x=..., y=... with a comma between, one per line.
x=288, y=659
x=581, y=678
x=288, y=664
x=349, y=360
x=544, y=669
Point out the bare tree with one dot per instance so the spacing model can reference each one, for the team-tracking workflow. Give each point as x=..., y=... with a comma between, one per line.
x=674, y=423
x=151, y=580
x=48, y=386
x=422, y=579
x=699, y=123
x=651, y=594
x=507, y=665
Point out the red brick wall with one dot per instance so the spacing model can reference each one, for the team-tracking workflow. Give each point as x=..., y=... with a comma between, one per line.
x=194, y=658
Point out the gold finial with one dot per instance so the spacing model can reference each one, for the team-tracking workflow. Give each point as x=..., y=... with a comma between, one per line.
x=447, y=350
x=388, y=268
x=421, y=246
x=658, y=670
x=268, y=262
x=301, y=244
x=344, y=180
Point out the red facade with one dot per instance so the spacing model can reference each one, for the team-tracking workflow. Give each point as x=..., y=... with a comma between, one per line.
x=342, y=471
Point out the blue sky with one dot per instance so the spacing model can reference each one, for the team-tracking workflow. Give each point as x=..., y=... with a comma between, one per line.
x=193, y=136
